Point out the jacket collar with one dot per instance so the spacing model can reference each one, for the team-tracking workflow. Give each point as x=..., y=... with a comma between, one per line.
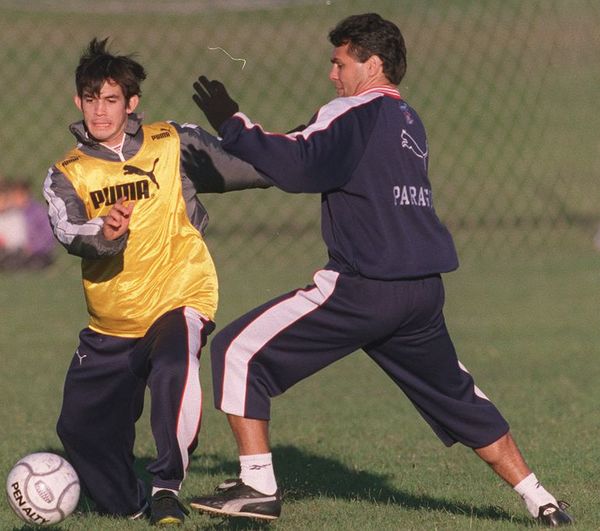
x=387, y=90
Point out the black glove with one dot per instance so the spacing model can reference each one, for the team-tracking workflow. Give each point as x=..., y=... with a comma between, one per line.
x=214, y=102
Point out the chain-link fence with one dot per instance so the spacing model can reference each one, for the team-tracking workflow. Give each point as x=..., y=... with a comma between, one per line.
x=507, y=90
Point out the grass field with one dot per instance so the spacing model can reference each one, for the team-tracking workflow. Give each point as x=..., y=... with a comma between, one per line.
x=350, y=451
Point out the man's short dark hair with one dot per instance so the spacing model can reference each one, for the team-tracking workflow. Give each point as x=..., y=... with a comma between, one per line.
x=97, y=65
x=368, y=35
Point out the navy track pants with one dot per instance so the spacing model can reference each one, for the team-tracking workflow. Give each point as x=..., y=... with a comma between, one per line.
x=104, y=397
x=399, y=324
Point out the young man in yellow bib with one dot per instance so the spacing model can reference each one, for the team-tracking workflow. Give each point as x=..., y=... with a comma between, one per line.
x=124, y=200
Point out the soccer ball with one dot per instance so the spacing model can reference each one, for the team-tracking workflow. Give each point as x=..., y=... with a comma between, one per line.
x=42, y=488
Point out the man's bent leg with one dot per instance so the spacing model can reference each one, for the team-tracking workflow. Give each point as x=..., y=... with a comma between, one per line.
x=169, y=355
x=255, y=493
x=256, y=461
x=251, y=435
x=265, y=352
x=101, y=402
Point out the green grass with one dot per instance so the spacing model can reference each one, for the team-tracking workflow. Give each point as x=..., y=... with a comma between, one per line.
x=349, y=450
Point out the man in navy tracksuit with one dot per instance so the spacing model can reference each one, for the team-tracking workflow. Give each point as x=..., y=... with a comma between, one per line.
x=381, y=291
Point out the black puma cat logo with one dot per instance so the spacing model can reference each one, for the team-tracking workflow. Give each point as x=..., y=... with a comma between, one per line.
x=128, y=169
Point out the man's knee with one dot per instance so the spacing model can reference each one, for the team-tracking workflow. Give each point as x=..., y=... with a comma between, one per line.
x=67, y=431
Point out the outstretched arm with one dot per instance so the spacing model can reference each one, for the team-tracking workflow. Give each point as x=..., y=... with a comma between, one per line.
x=210, y=167
x=318, y=158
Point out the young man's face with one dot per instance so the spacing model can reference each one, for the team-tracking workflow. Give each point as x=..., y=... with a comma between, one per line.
x=347, y=73
x=105, y=114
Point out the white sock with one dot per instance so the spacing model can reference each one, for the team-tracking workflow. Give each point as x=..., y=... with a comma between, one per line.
x=534, y=494
x=257, y=472
x=156, y=489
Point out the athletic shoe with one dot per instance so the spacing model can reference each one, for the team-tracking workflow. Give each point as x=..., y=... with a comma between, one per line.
x=231, y=482
x=143, y=513
x=234, y=498
x=552, y=516
x=166, y=509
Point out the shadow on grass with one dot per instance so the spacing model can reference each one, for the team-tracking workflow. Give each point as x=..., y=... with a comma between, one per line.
x=304, y=475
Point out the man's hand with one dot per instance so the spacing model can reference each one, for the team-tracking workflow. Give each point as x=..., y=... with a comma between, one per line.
x=214, y=102
x=116, y=222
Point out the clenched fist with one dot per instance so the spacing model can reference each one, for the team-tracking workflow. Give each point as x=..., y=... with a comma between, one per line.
x=116, y=222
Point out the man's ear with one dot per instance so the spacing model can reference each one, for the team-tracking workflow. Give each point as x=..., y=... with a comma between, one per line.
x=77, y=101
x=132, y=103
x=374, y=65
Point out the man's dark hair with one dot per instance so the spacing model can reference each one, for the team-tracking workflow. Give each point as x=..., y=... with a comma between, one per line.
x=96, y=65
x=368, y=35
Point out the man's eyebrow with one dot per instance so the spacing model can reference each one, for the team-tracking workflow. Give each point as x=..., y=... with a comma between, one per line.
x=90, y=94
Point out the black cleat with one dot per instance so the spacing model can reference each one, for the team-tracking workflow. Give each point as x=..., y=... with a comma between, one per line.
x=235, y=498
x=552, y=516
x=166, y=509
x=142, y=514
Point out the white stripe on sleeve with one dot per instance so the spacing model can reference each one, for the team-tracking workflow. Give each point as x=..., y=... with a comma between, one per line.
x=57, y=211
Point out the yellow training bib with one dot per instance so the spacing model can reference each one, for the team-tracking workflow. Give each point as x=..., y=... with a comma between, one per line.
x=166, y=263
